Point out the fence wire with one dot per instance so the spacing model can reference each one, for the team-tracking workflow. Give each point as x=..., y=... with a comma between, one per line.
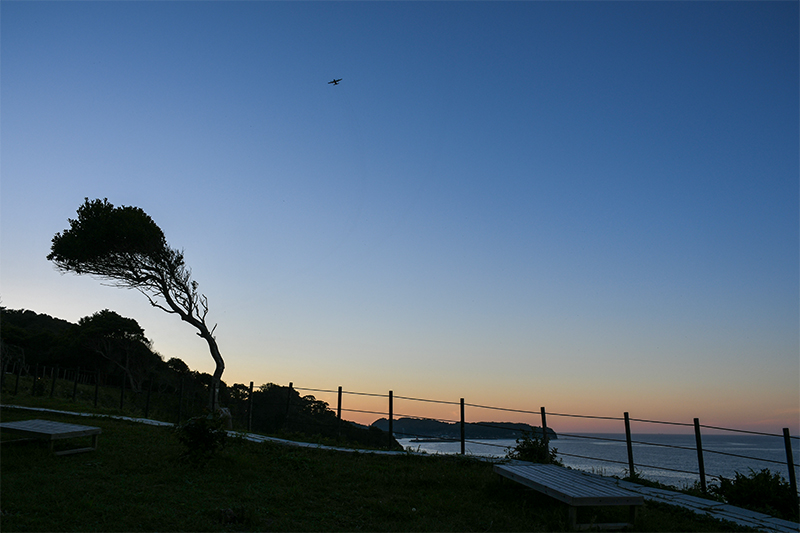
x=85, y=377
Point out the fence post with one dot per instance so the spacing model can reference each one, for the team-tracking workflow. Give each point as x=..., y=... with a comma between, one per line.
x=53, y=384
x=180, y=399
x=339, y=414
x=463, y=428
x=288, y=403
x=122, y=393
x=147, y=402
x=250, y=409
x=35, y=377
x=16, y=385
x=787, y=442
x=700, y=463
x=545, y=437
x=192, y=390
x=75, y=385
x=391, y=416
x=96, y=386
x=632, y=472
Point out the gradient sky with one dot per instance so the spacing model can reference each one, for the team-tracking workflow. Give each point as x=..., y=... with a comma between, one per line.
x=587, y=206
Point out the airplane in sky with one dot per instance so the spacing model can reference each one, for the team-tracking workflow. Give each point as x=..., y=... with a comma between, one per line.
x=335, y=81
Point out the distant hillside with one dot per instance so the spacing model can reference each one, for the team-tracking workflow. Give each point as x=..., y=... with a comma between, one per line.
x=424, y=428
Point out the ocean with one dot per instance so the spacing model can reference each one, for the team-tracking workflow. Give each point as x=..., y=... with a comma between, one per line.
x=575, y=451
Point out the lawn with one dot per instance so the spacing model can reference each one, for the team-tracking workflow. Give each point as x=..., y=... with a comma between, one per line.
x=136, y=481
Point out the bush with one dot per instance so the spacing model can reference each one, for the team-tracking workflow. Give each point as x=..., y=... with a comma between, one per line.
x=765, y=491
x=203, y=437
x=532, y=448
x=38, y=387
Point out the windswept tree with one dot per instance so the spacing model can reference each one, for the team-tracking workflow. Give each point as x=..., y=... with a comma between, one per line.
x=124, y=246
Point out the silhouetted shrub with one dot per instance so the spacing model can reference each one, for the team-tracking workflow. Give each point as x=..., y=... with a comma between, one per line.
x=765, y=491
x=39, y=387
x=532, y=448
x=203, y=437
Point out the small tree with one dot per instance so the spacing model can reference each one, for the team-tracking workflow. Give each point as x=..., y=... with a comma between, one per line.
x=124, y=246
x=121, y=341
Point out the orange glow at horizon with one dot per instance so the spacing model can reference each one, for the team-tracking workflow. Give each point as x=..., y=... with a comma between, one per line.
x=565, y=417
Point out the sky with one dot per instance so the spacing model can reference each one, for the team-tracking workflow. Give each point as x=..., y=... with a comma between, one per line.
x=586, y=206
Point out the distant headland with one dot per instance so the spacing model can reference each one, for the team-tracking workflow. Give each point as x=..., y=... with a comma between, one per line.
x=433, y=430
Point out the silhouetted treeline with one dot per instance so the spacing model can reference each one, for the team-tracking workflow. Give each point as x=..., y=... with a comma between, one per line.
x=115, y=348
x=34, y=338
x=282, y=410
x=434, y=429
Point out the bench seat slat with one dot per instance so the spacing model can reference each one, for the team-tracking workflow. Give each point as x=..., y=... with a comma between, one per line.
x=569, y=486
x=583, y=487
x=49, y=430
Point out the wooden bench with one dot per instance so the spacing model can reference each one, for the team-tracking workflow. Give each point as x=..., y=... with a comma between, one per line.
x=52, y=431
x=575, y=488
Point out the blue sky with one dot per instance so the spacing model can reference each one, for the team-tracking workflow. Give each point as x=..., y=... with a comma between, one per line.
x=585, y=205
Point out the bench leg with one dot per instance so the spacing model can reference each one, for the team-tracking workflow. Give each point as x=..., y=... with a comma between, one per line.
x=575, y=526
x=573, y=518
x=92, y=448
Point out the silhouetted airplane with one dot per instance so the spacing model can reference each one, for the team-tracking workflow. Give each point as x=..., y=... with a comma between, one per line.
x=335, y=81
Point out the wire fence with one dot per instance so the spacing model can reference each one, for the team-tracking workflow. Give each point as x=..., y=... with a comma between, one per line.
x=698, y=449
x=175, y=399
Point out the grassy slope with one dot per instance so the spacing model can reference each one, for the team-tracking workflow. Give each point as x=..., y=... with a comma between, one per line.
x=135, y=482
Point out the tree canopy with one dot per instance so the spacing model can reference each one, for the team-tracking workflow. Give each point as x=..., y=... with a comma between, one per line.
x=120, y=341
x=126, y=247
x=111, y=325
x=122, y=244
x=30, y=338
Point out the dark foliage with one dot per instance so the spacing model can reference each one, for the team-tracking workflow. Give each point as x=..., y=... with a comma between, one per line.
x=764, y=491
x=119, y=243
x=33, y=338
x=178, y=366
x=533, y=448
x=121, y=343
x=124, y=246
x=427, y=428
x=104, y=342
x=203, y=437
x=282, y=410
x=277, y=410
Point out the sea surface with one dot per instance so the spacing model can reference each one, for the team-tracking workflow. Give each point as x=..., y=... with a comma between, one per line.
x=670, y=459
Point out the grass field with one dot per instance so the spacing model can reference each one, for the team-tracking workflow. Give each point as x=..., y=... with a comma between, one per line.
x=136, y=481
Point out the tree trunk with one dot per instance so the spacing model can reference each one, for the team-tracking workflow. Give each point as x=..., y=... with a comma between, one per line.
x=187, y=315
x=220, y=368
x=104, y=351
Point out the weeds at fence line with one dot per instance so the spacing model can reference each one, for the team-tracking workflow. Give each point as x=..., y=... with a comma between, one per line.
x=761, y=491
